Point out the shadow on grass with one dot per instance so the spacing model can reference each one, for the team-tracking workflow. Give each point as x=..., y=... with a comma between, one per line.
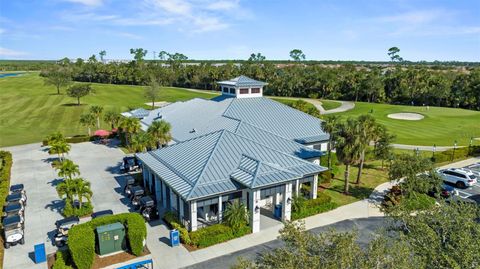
x=73, y=104
x=358, y=192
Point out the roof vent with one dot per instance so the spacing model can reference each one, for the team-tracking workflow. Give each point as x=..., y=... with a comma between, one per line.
x=193, y=131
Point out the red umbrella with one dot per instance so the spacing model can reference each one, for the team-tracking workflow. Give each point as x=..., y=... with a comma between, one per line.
x=102, y=133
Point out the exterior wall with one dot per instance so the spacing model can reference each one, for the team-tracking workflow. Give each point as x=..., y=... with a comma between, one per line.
x=237, y=92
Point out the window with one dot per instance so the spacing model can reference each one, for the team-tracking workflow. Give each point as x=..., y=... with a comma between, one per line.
x=225, y=89
x=244, y=91
x=255, y=90
x=232, y=90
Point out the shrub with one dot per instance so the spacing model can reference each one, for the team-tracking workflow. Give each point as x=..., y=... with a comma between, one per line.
x=184, y=236
x=236, y=215
x=334, y=160
x=312, y=207
x=325, y=177
x=69, y=210
x=211, y=235
x=418, y=201
x=80, y=139
x=81, y=238
x=5, y=169
x=171, y=218
x=63, y=260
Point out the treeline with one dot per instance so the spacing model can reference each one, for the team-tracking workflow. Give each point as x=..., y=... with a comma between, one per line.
x=395, y=84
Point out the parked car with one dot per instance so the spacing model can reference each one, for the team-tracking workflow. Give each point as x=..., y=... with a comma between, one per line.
x=462, y=178
x=137, y=193
x=446, y=191
x=13, y=209
x=13, y=231
x=17, y=197
x=129, y=183
x=129, y=164
x=148, y=209
x=63, y=226
x=101, y=213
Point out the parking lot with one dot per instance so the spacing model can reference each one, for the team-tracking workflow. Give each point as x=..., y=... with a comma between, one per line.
x=32, y=167
x=473, y=192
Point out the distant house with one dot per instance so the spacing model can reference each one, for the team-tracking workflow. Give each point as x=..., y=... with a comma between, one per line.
x=239, y=145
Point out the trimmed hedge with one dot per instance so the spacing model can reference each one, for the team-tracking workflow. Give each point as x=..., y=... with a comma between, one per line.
x=215, y=234
x=62, y=260
x=81, y=238
x=69, y=210
x=5, y=170
x=460, y=153
x=173, y=221
x=311, y=207
x=74, y=139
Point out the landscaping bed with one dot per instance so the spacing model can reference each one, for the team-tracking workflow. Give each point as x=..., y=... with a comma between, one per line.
x=310, y=207
x=5, y=170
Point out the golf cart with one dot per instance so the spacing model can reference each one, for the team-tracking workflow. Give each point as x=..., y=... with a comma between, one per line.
x=130, y=181
x=137, y=193
x=62, y=230
x=18, y=188
x=101, y=213
x=129, y=164
x=148, y=209
x=14, y=209
x=17, y=197
x=13, y=231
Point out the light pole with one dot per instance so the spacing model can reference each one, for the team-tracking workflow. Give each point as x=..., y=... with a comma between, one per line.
x=470, y=146
x=434, y=149
x=418, y=152
x=454, y=148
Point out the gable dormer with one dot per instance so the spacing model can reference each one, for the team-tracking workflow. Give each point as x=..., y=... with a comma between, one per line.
x=242, y=87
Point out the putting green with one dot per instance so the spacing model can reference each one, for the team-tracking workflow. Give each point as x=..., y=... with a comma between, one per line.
x=30, y=110
x=440, y=125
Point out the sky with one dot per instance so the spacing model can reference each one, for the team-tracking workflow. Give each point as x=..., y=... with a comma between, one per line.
x=233, y=29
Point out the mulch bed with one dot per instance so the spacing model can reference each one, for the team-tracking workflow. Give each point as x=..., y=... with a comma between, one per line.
x=105, y=261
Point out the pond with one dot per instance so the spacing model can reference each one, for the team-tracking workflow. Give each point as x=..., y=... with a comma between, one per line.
x=4, y=75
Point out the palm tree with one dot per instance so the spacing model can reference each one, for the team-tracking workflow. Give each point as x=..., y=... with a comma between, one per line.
x=66, y=189
x=141, y=142
x=54, y=138
x=68, y=169
x=129, y=126
x=331, y=126
x=88, y=120
x=82, y=190
x=161, y=132
x=112, y=117
x=236, y=215
x=368, y=128
x=97, y=112
x=348, y=147
x=59, y=148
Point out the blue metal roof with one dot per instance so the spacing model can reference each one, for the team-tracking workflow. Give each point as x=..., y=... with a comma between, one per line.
x=138, y=113
x=208, y=165
x=242, y=81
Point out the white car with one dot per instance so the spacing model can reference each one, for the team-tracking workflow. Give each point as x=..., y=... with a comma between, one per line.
x=462, y=178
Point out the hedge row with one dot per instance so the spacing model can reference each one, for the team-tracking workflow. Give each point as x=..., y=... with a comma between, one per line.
x=311, y=207
x=62, y=260
x=74, y=139
x=460, y=153
x=216, y=234
x=173, y=221
x=5, y=169
x=69, y=210
x=81, y=238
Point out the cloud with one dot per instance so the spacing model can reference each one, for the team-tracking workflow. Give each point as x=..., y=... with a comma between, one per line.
x=128, y=35
x=224, y=5
x=11, y=53
x=417, y=17
x=2, y=31
x=87, y=2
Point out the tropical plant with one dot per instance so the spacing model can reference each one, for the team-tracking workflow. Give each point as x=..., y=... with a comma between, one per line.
x=55, y=138
x=59, y=148
x=112, y=117
x=97, y=112
x=331, y=126
x=66, y=189
x=161, y=132
x=368, y=128
x=82, y=190
x=88, y=120
x=68, y=169
x=348, y=147
x=141, y=142
x=383, y=148
x=129, y=126
x=236, y=215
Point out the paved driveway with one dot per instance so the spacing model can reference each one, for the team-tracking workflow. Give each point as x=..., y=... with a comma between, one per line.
x=31, y=166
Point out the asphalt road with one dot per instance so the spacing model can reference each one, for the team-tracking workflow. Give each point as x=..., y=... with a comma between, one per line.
x=366, y=227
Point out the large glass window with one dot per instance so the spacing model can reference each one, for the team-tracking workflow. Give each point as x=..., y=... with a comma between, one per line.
x=243, y=90
x=232, y=90
x=225, y=89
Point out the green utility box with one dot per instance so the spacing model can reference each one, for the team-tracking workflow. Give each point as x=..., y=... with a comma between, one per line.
x=111, y=238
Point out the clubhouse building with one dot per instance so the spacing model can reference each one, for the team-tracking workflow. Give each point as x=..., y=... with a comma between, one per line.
x=237, y=146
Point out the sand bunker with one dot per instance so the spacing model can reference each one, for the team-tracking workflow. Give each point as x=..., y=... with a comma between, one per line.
x=405, y=116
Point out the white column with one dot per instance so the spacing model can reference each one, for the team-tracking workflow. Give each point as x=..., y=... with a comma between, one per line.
x=286, y=205
x=164, y=195
x=297, y=187
x=254, y=214
x=193, y=216
x=314, y=187
x=220, y=213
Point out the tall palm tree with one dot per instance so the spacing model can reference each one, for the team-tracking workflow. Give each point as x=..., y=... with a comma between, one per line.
x=68, y=169
x=59, y=148
x=161, y=132
x=54, y=138
x=112, y=117
x=236, y=215
x=368, y=127
x=130, y=126
x=331, y=125
x=88, y=120
x=97, y=112
x=82, y=190
x=348, y=147
x=141, y=142
x=66, y=189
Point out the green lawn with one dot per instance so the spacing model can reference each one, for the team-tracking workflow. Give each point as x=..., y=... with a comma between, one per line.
x=327, y=104
x=441, y=126
x=30, y=110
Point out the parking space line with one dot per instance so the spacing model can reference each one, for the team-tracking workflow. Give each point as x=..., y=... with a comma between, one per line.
x=466, y=194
